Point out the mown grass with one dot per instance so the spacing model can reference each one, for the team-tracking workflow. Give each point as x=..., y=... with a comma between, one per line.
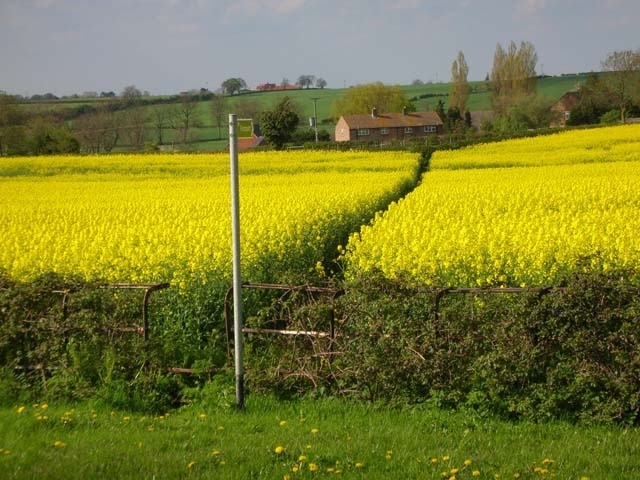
x=317, y=439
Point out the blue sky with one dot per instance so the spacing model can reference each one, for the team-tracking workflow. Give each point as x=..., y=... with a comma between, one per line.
x=167, y=46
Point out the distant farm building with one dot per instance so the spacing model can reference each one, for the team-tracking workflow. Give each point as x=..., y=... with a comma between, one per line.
x=562, y=108
x=388, y=126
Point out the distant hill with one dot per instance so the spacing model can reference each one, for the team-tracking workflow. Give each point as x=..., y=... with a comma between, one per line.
x=424, y=97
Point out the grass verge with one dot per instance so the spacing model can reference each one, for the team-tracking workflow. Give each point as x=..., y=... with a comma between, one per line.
x=302, y=439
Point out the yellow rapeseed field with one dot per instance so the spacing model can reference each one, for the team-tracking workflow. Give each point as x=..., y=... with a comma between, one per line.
x=594, y=145
x=517, y=226
x=167, y=217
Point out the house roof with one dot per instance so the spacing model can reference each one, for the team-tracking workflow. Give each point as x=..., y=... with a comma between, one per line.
x=390, y=120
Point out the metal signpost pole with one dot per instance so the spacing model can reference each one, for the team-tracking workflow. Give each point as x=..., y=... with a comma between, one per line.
x=315, y=116
x=237, y=279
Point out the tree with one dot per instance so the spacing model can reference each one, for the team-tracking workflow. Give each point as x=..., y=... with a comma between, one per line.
x=305, y=81
x=233, y=85
x=163, y=117
x=134, y=126
x=219, y=108
x=321, y=83
x=49, y=138
x=459, y=92
x=249, y=109
x=361, y=99
x=12, y=120
x=130, y=94
x=186, y=118
x=279, y=124
x=513, y=74
x=622, y=81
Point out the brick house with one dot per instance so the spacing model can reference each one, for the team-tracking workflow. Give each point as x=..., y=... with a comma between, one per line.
x=388, y=126
x=562, y=108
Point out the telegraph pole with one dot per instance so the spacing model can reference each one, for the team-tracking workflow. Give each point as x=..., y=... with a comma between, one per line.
x=315, y=116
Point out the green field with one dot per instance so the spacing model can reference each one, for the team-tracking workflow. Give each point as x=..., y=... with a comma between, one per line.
x=208, y=138
x=301, y=440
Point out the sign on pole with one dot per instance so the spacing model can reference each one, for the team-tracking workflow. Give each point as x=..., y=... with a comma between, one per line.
x=245, y=128
x=237, y=274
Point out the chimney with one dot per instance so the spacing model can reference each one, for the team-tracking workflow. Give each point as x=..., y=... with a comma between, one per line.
x=404, y=111
x=374, y=112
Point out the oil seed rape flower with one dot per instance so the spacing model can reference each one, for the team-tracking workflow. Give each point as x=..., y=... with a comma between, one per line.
x=279, y=449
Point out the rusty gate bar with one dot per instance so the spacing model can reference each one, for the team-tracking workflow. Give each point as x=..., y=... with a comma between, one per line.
x=336, y=292
x=148, y=288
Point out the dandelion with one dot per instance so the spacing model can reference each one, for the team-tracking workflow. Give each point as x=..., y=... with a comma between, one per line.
x=584, y=478
x=467, y=462
x=216, y=453
x=191, y=464
x=547, y=461
x=220, y=427
x=475, y=473
x=279, y=449
x=222, y=462
x=59, y=444
x=314, y=431
x=453, y=471
x=359, y=465
x=302, y=458
x=295, y=469
x=286, y=477
x=21, y=409
x=446, y=458
x=282, y=423
x=516, y=475
x=434, y=460
x=313, y=467
x=203, y=416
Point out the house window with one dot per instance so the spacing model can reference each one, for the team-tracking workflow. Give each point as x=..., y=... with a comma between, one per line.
x=430, y=129
x=384, y=131
x=408, y=129
x=363, y=132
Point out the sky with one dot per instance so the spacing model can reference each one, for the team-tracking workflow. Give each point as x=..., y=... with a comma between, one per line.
x=168, y=46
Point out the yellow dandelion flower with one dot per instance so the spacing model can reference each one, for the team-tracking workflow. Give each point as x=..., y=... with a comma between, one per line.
x=286, y=477
x=59, y=444
x=446, y=458
x=302, y=458
x=220, y=427
x=295, y=469
x=547, y=461
x=215, y=453
x=516, y=475
x=203, y=415
x=467, y=462
x=279, y=449
x=314, y=431
x=20, y=409
x=359, y=465
x=308, y=447
x=282, y=423
x=223, y=462
x=191, y=464
x=313, y=467
x=584, y=478
x=453, y=471
x=330, y=469
x=452, y=477
x=475, y=473
x=434, y=460
x=44, y=406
